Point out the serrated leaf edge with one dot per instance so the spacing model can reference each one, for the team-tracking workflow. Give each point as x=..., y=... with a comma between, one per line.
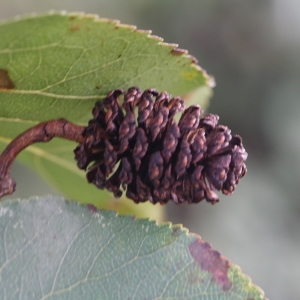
x=209, y=80
x=178, y=228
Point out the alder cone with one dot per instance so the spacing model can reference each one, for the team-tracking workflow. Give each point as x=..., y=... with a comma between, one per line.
x=140, y=147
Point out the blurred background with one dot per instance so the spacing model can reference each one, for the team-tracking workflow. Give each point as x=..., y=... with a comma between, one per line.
x=252, y=49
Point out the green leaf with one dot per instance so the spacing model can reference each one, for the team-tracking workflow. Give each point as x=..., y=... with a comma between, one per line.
x=55, y=66
x=53, y=249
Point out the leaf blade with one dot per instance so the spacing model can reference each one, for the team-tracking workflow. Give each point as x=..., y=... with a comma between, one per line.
x=80, y=59
x=62, y=249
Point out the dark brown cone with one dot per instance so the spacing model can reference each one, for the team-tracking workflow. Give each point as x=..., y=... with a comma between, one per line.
x=158, y=159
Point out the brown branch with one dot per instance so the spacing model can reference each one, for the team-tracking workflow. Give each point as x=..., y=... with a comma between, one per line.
x=43, y=132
